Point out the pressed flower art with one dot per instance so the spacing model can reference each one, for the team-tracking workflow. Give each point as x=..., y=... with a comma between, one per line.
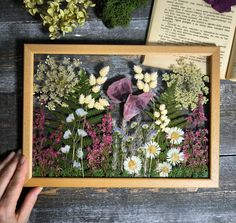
x=118, y=118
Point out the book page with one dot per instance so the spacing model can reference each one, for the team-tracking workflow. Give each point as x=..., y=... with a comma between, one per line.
x=190, y=22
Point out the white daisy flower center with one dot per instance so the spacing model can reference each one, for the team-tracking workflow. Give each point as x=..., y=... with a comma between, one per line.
x=132, y=164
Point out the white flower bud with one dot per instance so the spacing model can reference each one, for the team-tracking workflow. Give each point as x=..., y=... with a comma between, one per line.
x=96, y=88
x=146, y=88
x=104, y=71
x=140, y=85
x=92, y=80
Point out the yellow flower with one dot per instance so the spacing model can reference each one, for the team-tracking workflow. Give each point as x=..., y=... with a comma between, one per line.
x=98, y=106
x=153, y=76
x=153, y=84
x=103, y=102
x=101, y=80
x=91, y=103
x=138, y=76
x=104, y=71
x=81, y=99
x=92, y=80
x=147, y=77
x=96, y=88
x=146, y=88
x=137, y=69
x=140, y=85
x=88, y=99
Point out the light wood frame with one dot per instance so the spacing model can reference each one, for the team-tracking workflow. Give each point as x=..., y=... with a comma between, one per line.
x=214, y=59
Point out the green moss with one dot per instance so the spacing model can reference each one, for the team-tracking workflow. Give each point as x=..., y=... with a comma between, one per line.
x=117, y=12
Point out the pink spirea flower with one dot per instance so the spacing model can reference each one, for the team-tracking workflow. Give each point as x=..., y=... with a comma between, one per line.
x=195, y=145
x=101, y=141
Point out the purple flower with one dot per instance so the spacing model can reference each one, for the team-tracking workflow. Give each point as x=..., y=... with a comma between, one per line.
x=121, y=91
x=221, y=5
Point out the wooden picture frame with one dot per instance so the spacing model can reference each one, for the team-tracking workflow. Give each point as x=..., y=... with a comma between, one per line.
x=212, y=53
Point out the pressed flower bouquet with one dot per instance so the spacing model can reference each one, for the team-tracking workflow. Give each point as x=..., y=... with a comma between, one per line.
x=95, y=116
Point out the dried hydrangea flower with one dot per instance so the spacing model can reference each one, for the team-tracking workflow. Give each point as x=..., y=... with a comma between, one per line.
x=60, y=16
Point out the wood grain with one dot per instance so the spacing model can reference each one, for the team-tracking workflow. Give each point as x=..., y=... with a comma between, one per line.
x=109, y=205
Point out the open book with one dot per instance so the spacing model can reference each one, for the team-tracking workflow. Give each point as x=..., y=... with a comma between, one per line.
x=193, y=22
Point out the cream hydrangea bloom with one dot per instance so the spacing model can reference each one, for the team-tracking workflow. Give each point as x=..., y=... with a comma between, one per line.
x=140, y=85
x=137, y=69
x=98, y=106
x=92, y=80
x=101, y=80
x=133, y=165
x=103, y=102
x=96, y=88
x=91, y=103
x=82, y=99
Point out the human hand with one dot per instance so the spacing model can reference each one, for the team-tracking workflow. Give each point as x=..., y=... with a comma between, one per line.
x=13, y=171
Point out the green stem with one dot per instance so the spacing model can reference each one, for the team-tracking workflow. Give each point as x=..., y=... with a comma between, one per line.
x=150, y=167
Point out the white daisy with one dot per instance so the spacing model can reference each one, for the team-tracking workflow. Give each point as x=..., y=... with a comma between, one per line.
x=67, y=134
x=175, y=135
x=164, y=169
x=81, y=132
x=80, y=153
x=76, y=164
x=104, y=71
x=137, y=69
x=152, y=149
x=132, y=165
x=81, y=112
x=174, y=156
x=65, y=149
x=70, y=118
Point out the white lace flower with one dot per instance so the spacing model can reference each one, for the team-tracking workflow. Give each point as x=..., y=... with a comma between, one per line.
x=146, y=88
x=153, y=76
x=147, y=77
x=67, y=134
x=76, y=165
x=175, y=135
x=88, y=99
x=152, y=149
x=132, y=165
x=104, y=71
x=70, y=118
x=137, y=69
x=81, y=132
x=164, y=169
x=174, y=156
x=81, y=112
x=164, y=112
x=65, y=149
x=153, y=84
x=156, y=114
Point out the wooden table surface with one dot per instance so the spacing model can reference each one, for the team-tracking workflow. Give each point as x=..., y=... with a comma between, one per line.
x=109, y=205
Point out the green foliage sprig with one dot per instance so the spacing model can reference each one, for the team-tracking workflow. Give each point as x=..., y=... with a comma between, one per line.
x=117, y=12
x=60, y=16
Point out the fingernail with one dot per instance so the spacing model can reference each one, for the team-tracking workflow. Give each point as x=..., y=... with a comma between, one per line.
x=11, y=154
x=22, y=160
